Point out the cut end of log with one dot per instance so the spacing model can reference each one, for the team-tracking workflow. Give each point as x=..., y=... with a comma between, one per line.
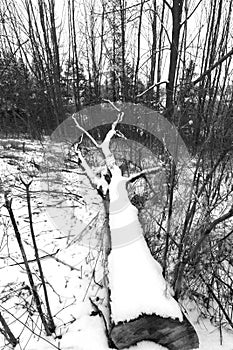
x=168, y=332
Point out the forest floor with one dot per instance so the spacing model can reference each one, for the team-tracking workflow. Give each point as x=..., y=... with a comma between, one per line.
x=68, y=265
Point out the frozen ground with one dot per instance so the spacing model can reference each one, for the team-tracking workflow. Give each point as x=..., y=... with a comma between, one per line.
x=68, y=268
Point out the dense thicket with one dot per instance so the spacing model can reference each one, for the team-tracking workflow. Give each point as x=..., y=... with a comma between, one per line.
x=55, y=59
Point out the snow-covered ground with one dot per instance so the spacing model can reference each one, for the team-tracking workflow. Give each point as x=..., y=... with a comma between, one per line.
x=68, y=267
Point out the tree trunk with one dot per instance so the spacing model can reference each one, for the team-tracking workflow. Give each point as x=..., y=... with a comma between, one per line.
x=123, y=75
x=176, y=23
x=154, y=45
x=138, y=50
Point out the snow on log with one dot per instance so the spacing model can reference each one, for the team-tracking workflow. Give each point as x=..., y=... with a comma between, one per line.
x=142, y=307
x=135, y=277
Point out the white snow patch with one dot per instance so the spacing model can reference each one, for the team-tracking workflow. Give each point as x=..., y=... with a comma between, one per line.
x=135, y=278
x=137, y=285
x=146, y=345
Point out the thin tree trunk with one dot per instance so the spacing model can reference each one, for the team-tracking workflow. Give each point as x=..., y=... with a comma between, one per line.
x=95, y=69
x=56, y=61
x=138, y=50
x=176, y=25
x=8, y=204
x=7, y=332
x=51, y=324
x=75, y=56
x=160, y=54
x=154, y=46
x=123, y=61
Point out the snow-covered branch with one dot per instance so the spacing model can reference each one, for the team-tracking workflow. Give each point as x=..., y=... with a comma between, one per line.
x=105, y=145
x=85, y=132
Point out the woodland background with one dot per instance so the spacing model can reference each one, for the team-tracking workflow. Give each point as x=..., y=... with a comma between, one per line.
x=172, y=56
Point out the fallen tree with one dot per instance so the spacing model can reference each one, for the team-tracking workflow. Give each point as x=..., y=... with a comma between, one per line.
x=140, y=302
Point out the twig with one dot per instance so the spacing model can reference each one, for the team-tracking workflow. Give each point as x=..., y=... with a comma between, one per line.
x=100, y=313
x=83, y=230
x=217, y=301
x=94, y=279
x=207, y=230
x=190, y=15
x=34, y=260
x=24, y=324
x=89, y=284
x=57, y=259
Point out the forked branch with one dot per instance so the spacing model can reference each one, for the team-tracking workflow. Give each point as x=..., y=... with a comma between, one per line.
x=85, y=132
x=104, y=146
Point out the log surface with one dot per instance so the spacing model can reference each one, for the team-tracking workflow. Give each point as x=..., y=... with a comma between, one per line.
x=168, y=332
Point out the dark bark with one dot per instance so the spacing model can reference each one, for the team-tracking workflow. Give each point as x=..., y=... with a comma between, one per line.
x=7, y=332
x=51, y=324
x=8, y=204
x=138, y=50
x=215, y=65
x=160, y=55
x=176, y=11
x=123, y=75
x=75, y=59
x=95, y=69
x=154, y=44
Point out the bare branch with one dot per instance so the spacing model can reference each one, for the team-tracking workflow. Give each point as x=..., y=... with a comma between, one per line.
x=34, y=260
x=104, y=146
x=112, y=104
x=190, y=15
x=152, y=87
x=207, y=230
x=126, y=8
x=215, y=65
x=168, y=5
x=85, y=132
x=134, y=177
x=106, y=143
